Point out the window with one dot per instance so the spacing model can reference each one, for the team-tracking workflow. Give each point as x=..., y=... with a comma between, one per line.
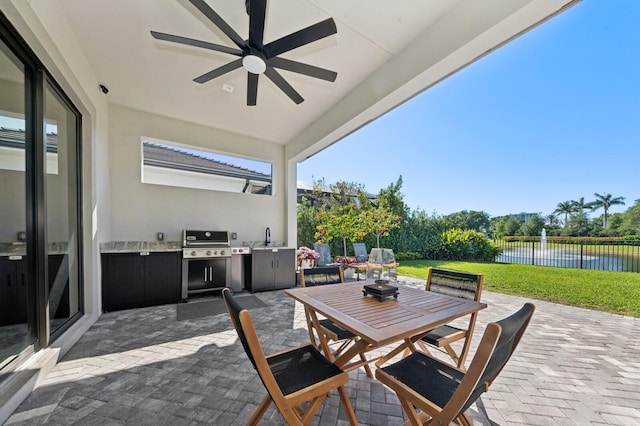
x=12, y=144
x=165, y=163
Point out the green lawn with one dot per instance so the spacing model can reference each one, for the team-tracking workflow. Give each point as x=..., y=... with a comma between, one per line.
x=616, y=292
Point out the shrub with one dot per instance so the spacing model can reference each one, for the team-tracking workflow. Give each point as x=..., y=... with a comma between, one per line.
x=408, y=255
x=458, y=244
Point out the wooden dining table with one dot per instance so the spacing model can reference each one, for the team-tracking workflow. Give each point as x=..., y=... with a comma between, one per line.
x=380, y=322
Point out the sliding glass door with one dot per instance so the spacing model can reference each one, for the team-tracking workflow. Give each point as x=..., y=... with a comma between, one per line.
x=62, y=128
x=17, y=334
x=40, y=217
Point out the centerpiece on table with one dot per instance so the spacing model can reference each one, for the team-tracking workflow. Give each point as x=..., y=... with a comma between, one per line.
x=306, y=257
x=382, y=266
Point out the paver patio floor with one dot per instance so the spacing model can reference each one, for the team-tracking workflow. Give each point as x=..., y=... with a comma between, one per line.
x=143, y=367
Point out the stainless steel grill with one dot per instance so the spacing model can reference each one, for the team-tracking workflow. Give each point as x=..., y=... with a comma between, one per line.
x=206, y=261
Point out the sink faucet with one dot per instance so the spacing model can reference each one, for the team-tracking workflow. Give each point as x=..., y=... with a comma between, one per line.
x=267, y=238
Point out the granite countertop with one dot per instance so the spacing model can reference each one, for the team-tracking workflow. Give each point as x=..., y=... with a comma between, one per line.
x=272, y=248
x=20, y=248
x=139, y=246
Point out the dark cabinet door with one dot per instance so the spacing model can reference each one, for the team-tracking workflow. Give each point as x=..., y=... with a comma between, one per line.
x=207, y=274
x=162, y=278
x=123, y=281
x=262, y=270
x=285, y=269
x=272, y=269
x=131, y=280
x=13, y=291
x=6, y=273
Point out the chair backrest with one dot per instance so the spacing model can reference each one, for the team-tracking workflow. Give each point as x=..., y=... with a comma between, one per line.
x=321, y=275
x=242, y=322
x=234, y=309
x=325, y=253
x=360, y=252
x=455, y=283
x=498, y=343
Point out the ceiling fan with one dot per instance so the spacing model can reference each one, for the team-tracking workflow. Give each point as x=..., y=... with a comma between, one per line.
x=258, y=58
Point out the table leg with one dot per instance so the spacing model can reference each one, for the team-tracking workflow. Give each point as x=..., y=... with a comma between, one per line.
x=359, y=347
x=324, y=345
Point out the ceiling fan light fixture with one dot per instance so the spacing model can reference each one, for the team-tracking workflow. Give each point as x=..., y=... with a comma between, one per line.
x=254, y=64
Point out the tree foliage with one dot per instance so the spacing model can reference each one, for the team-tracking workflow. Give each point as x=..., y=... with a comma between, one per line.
x=565, y=208
x=344, y=212
x=605, y=201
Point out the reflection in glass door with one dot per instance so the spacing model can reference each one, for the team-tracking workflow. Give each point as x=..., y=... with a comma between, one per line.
x=61, y=198
x=16, y=332
x=40, y=227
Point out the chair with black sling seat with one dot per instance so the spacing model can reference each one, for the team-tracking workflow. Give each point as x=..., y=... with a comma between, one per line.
x=435, y=393
x=458, y=284
x=292, y=377
x=324, y=275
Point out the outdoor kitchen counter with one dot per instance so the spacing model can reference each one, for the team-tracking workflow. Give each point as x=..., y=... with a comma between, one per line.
x=140, y=246
x=20, y=249
x=272, y=248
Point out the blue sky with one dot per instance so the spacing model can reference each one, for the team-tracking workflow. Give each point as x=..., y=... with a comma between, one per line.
x=552, y=116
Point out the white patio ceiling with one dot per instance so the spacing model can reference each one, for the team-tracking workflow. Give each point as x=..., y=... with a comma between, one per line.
x=384, y=53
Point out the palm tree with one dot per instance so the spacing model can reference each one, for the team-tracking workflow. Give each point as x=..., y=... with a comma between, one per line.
x=580, y=206
x=565, y=208
x=605, y=201
x=552, y=219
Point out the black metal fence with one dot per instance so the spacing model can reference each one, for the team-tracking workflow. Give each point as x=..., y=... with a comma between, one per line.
x=594, y=253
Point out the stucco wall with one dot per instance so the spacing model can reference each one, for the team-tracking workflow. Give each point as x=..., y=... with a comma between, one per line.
x=141, y=210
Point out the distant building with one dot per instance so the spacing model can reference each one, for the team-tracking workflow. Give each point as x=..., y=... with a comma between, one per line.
x=524, y=216
x=305, y=189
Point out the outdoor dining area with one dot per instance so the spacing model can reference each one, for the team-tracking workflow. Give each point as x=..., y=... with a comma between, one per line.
x=361, y=318
x=382, y=351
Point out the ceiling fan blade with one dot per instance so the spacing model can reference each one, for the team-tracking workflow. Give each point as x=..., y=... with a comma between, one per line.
x=257, y=11
x=252, y=88
x=219, y=71
x=197, y=43
x=300, y=68
x=300, y=38
x=279, y=81
x=219, y=22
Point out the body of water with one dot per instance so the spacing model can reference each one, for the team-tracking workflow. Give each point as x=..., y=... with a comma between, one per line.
x=569, y=258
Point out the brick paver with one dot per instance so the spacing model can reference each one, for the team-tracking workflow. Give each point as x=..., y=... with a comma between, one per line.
x=573, y=367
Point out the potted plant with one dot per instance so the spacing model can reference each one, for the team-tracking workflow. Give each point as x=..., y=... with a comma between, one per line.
x=306, y=257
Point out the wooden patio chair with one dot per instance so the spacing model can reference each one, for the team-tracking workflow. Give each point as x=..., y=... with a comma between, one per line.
x=292, y=377
x=457, y=284
x=435, y=393
x=333, y=333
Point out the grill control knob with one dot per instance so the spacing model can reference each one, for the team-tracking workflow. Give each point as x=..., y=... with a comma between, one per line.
x=193, y=252
x=208, y=252
x=221, y=252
